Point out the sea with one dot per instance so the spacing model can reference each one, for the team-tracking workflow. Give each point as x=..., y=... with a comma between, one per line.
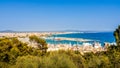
x=100, y=37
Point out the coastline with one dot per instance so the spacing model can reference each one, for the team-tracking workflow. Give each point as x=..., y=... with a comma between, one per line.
x=84, y=47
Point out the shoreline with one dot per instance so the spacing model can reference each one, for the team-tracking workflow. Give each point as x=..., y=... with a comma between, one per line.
x=69, y=39
x=24, y=34
x=85, y=47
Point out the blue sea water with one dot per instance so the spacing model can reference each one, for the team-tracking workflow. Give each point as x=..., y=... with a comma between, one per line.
x=99, y=36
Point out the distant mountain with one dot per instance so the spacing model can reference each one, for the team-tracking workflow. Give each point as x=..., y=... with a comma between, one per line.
x=8, y=31
x=11, y=31
x=84, y=31
x=72, y=31
x=77, y=31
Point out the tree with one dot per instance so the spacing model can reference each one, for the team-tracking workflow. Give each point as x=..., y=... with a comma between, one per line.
x=11, y=48
x=117, y=35
x=41, y=43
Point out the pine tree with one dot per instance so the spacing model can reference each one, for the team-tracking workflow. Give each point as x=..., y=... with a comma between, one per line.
x=117, y=35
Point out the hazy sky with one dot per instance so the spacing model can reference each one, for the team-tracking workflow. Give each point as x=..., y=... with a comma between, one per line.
x=52, y=15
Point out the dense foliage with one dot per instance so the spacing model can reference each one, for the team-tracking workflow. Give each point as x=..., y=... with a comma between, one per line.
x=11, y=48
x=42, y=45
x=15, y=54
x=117, y=35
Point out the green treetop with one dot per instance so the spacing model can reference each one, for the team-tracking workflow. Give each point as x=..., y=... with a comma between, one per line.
x=117, y=35
x=41, y=43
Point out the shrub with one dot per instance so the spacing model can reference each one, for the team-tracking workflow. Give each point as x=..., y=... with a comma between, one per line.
x=53, y=61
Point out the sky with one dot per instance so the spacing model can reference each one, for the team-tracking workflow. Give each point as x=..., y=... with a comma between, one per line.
x=55, y=15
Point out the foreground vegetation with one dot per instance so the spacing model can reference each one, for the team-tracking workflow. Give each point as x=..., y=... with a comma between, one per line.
x=15, y=54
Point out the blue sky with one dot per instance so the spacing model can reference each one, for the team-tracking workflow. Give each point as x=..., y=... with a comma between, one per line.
x=53, y=15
